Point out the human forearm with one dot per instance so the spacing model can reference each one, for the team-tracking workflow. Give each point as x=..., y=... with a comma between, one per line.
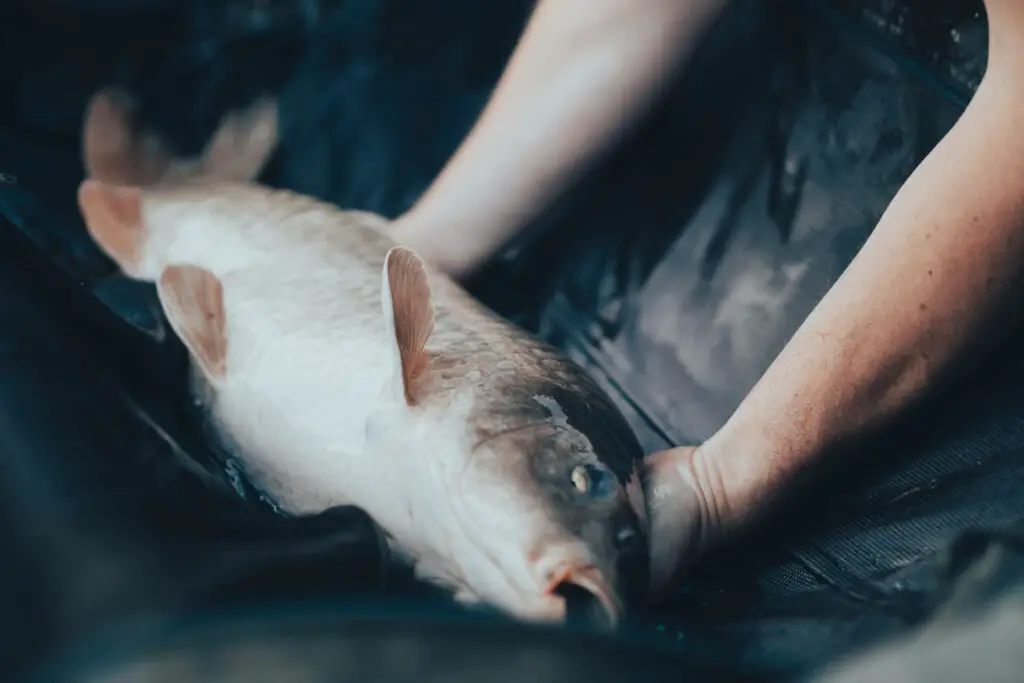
x=937, y=281
x=582, y=71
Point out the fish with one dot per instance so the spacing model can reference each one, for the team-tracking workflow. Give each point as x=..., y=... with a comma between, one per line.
x=340, y=369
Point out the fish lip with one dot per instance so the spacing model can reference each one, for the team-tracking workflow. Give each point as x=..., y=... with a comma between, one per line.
x=589, y=578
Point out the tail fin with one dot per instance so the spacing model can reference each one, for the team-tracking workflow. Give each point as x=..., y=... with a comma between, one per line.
x=115, y=150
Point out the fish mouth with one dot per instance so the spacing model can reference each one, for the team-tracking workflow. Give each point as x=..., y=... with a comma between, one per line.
x=588, y=598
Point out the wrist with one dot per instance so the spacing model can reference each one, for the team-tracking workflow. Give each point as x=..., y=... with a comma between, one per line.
x=694, y=505
x=742, y=471
x=704, y=476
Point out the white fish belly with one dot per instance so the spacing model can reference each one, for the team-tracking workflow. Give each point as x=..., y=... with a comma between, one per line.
x=307, y=362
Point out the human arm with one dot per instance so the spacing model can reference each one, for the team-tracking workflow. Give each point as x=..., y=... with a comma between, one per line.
x=938, y=282
x=582, y=71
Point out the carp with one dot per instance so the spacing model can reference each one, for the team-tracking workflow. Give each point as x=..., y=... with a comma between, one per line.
x=340, y=369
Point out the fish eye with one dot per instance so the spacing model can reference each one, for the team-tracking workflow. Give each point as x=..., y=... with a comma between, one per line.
x=593, y=481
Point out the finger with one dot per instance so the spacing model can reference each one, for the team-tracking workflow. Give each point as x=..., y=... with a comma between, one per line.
x=672, y=510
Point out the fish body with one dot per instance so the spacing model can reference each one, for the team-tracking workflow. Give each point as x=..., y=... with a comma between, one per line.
x=341, y=370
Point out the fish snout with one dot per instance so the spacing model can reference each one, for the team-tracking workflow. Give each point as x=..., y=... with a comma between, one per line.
x=585, y=590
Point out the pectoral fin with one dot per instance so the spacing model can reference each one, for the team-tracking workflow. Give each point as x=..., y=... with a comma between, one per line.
x=113, y=217
x=409, y=318
x=193, y=300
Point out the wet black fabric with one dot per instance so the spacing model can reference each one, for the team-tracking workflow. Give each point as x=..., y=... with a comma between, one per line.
x=344, y=644
x=974, y=627
x=674, y=272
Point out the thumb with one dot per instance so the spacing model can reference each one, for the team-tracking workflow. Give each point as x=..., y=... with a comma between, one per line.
x=673, y=513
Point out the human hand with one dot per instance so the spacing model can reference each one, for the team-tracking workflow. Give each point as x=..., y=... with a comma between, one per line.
x=679, y=528
x=549, y=119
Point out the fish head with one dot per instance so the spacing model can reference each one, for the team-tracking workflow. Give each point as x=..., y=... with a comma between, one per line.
x=526, y=490
x=558, y=502
x=534, y=517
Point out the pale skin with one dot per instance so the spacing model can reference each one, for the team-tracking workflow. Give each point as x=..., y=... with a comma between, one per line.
x=936, y=284
x=582, y=71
